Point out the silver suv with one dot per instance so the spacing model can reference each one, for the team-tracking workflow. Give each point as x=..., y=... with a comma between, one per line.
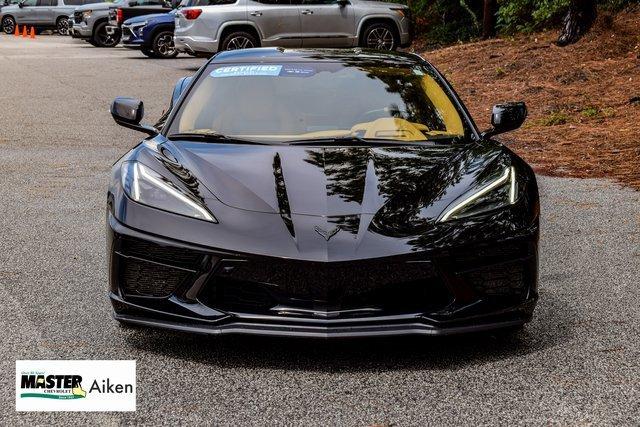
x=41, y=14
x=238, y=24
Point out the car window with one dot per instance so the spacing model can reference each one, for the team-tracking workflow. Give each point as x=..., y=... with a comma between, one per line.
x=43, y=3
x=73, y=2
x=311, y=100
x=29, y=2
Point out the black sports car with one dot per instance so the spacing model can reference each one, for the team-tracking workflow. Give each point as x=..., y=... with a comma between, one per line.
x=323, y=193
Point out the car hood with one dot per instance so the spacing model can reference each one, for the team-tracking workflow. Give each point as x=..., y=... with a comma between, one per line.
x=331, y=181
x=97, y=6
x=156, y=17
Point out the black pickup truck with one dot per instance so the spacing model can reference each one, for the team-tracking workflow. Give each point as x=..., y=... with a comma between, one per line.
x=144, y=7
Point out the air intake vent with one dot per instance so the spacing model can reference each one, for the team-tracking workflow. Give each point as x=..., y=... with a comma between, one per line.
x=140, y=278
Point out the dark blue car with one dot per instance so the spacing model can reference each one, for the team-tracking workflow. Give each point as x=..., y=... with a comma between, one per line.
x=151, y=34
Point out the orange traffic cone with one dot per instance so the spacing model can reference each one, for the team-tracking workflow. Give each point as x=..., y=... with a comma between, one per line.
x=17, y=32
x=32, y=35
x=24, y=32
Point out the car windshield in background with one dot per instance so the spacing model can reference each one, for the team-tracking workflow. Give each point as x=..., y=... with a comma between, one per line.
x=308, y=101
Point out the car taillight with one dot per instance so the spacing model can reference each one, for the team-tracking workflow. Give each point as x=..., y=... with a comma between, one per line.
x=192, y=13
x=119, y=16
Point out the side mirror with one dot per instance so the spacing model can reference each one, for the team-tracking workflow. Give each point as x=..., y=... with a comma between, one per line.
x=128, y=112
x=20, y=5
x=506, y=117
x=343, y=3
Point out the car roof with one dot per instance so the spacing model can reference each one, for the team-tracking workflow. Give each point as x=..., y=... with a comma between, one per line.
x=278, y=54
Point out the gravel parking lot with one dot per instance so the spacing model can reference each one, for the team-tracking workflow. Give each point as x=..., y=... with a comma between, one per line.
x=576, y=363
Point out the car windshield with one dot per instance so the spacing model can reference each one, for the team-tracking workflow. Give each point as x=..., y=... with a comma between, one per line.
x=307, y=101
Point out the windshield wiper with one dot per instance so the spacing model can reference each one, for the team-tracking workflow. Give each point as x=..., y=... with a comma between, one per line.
x=340, y=140
x=212, y=136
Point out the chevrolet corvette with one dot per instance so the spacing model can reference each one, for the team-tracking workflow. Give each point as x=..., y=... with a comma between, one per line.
x=321, y=193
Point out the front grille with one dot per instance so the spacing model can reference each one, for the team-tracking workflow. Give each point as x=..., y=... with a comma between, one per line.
x=259, y=286
x=141, y=278
x=77, y=17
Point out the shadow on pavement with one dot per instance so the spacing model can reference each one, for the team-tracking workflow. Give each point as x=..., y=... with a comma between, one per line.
x=549, y=328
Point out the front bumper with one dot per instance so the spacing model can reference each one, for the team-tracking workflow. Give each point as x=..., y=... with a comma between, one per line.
x=80, y=31
x=163, y=283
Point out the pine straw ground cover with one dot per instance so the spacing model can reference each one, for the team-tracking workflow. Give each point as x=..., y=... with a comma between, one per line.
x=583, y=100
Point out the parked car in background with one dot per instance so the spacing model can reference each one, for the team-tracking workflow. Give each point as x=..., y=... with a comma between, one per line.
x=90, y=21
x=118, y=16
x=79, y=3
x=40, y=14
x=151, y=34
x=237, y=24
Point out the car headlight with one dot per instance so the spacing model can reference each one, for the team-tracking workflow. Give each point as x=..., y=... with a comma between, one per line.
x=499, y=193
x=400, y=11
x=145, y=186
x=138, y=29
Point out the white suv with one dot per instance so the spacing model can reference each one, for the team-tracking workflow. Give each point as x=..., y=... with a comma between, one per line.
x=237, y=24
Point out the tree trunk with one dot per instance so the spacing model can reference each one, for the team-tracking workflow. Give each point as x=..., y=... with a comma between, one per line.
x=577, y=21
x=489, y=19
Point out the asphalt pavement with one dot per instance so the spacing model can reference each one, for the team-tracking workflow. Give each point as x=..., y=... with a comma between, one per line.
x=576, y=363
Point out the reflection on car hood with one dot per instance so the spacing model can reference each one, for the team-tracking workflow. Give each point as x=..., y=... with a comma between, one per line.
x=323, y=181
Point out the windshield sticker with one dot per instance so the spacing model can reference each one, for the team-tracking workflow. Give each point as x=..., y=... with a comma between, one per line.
x=297, y=70
x=247, y=70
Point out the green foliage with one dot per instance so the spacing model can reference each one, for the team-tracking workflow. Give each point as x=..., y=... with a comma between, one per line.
x=528, y=15
x=450, y=21
x=446, y=21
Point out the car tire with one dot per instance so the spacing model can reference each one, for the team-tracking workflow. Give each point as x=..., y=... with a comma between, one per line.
x=239, y=40
x=102, y=39
x=162, y=45
x=62, y=26
x=148, y=53
x=8, y=24
x=380, y=36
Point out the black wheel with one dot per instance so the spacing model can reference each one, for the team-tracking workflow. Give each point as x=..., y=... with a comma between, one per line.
x=239, y=40
x=92, y=42
x=102, y=39
x=379, y=36
x=148, y=53
x=8, y=24
x=163, y=46
x=62, y=25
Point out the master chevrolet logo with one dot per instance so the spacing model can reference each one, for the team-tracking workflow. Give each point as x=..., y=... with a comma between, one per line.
x=326, y=234
x=52, y=386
